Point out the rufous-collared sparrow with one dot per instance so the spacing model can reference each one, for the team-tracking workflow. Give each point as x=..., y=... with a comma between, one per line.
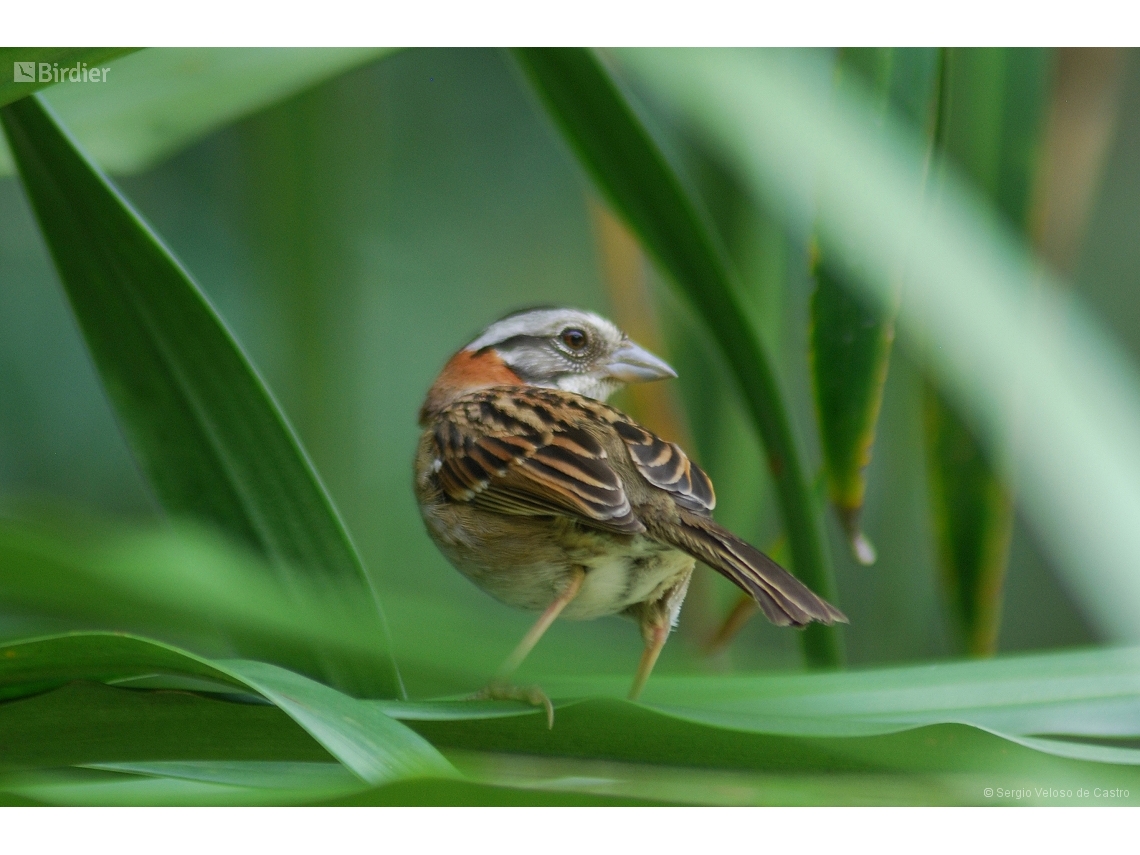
x=551, y=500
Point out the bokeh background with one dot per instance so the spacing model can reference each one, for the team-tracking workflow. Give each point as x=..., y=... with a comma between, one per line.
x=357, y=230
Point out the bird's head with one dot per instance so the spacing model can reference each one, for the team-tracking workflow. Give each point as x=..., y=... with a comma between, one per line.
x=569, y=349
x=556, y=348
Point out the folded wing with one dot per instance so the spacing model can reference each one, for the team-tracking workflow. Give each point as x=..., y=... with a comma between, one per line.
x=515, y=453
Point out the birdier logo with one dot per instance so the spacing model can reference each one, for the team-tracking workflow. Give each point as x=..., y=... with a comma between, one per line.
x=50, y=72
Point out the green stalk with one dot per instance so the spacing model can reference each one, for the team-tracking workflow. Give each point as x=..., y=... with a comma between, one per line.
x=851, y=337
x=989, y=126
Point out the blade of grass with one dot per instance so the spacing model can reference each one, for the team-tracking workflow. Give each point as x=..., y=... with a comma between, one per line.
x=85, y=722
x=471, y=794
x=104, y=785
x=1080, y=694
x=225, y=784
x=176, y=582
x=254, y=774
x=165, y=99
x=202, y=424
x=1006, y=344
x=950, y=725
x=359, y=733
x=635, y=177
x=850, y=338
x=162, y=100
x=989, y=126
x=669, y=737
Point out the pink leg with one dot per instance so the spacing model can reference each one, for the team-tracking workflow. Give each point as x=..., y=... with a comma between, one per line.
x=499, y=689
x=655, y=637
x=657, y=619
x=512, y=662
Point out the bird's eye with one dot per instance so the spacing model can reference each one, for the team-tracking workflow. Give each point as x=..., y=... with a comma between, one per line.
x=574, y=338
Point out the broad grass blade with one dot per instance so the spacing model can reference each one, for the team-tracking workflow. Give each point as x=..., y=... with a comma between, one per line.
x=63, y=727
x=202, y=424
x=990, y=124
x=851, y=338
x=1036, y=374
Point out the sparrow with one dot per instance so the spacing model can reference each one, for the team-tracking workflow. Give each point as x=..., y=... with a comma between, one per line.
x=553, y=501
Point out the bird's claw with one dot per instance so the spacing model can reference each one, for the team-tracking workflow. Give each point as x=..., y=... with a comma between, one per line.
x=501, y=691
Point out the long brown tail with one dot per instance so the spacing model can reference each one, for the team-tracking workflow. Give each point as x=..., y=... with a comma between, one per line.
x=784, y=599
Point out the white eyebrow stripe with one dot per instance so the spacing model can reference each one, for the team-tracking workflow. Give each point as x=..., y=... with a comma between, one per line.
x=541, y=322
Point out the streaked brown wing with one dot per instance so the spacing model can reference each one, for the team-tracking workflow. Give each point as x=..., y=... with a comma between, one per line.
x=664, y=465
x=512, y=453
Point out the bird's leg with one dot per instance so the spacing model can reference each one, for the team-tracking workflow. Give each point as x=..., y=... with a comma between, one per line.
x=657, y=620
x=656, y=634
x=512, y=662
x=500, y=688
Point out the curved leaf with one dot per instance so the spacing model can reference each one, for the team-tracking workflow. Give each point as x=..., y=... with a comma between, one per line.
x=990, y=125
x=178, y=583
x=202, y=424
x=358, y=733
x=948, y=730
x=850, y=338
x=1033, y=371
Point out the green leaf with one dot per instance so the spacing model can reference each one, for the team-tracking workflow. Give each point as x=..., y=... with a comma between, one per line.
x=631, y=171
x=27, y=665
x=72, y=724
x=978, y=311
x=84, y=723
x=955, y=727
x=358, y=733
x=205, y=429
x=176, y=784
x=176, y=582
x=850, y=338
x=161, y=100
x=989, y=126
x=452, y=793
x=10, y=90
x=850, y=355
x=1093, y=693
x=298, y=775
x=972, y=512
x=145, y=783
x=935, y=734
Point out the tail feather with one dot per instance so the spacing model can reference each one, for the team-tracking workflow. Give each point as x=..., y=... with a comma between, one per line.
x=783, y=598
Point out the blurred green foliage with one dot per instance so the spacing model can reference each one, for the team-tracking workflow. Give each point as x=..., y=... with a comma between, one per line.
x=329, y=229
x=352, y=235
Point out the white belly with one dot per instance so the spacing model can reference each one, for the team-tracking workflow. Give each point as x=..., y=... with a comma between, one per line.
x=616, y=581
x=530, y=569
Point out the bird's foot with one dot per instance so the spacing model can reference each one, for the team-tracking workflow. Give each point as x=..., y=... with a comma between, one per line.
x=500, y=690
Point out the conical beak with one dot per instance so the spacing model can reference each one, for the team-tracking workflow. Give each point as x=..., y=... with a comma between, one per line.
x=633, y=364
